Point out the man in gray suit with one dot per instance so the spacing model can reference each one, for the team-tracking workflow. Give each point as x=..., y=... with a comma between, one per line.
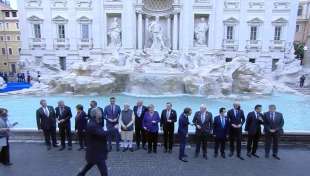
x=273, y=128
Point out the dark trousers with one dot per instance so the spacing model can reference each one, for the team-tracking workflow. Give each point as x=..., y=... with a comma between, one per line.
x=182, y=139
x=82, y=138
x=274, y=139
x=252, y=143
x=235, y=135
x=50, y=135
x=201, y=138
x=140, y=135
x=219, y=143
x=5, y=153
x=65, y=131
x=101, y=166
x=113, y=133
x=168, y=137
x=152, y=141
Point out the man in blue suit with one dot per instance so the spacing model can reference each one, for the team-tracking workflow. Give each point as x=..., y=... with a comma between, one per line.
x=253, y=124
x=273, y=128
x=183, y=132
x=111, y=114
x=220, y=132
x=236, y=120
x=96, y=152
x=139, y=111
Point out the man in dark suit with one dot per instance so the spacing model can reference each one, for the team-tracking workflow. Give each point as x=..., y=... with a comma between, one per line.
x=183, y=132
x=111, y=114
x=63, y=115
x=139, y=111
x=96, y=152
x=203, y=121
x=93, y=104
x=236, y=120
x=273, y=128
x=167, y=120
x=253, y=128
x=46, y=121
x=220, y=132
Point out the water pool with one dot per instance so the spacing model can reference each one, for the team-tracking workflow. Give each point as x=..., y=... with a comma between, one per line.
x=295, y=108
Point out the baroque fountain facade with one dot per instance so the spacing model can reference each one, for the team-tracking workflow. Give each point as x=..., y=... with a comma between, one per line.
x=159, y=47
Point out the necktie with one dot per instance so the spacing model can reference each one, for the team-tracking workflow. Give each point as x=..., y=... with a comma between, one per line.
x=139, y=111
x=203, y=117
x=46, y=111
x=113, y=109
x=61, y=111
x=223, y=122
x=168, y=115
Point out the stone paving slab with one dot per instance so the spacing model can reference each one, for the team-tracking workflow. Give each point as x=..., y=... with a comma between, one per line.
x=32, y=159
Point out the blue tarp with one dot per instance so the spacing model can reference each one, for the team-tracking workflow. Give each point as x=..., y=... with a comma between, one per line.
x=13, y=86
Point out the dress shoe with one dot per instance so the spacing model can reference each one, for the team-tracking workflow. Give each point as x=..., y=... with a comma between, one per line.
x=240, y=157
x=254, y=154
x=266, y=156
x=276, y=156
x=81, y=148
x=165, y=151
x=117, y=150
x=154, y=151
x=55, y=145
x=205, y=157
x=144, y=148
x=125, y=149
x=231, y=154
x=149, y=151
x=249, y=155
x=62, y=148
x=169, y=151
x=223, y=156
x=131, y=149
x=8, y=164
x=183, y=160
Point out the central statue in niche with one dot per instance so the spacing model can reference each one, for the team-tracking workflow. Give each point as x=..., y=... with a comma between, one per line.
x=156, y=32
x=201, y=32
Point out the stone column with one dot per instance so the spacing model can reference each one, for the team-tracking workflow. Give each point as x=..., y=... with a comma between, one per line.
x=169, y=29
x=175, y=32
x=140, y=42
x=146, y=31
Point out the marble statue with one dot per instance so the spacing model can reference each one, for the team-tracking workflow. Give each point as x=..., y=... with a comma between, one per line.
x=157, y=35
x=201, y=30
x=115, y=34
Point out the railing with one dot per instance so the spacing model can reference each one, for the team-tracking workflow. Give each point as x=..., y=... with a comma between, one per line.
x=37, y=43
x=277, y=44
x=230, y=44
x=85, y=43
x=254, y=44
x=61, y=42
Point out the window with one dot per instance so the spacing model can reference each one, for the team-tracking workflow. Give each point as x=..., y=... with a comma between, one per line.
x=230, y=31
x=7, y=14
x=297, y=28
x=62, y=63
x=252, y=60
x=37, y=31
x=299, y=12
x=253, y=35
x=85, y=31
x=3, y=51
x=1, y=38
x=228, y=59
x=1, y=25
x=277, y=33
x=14, y=14
x=19, y=50
x=18, y=37
x=10, y=51
x=17, y=25
x=13, y=68
x=7, y=25
x=61, y=31
x=8, y=38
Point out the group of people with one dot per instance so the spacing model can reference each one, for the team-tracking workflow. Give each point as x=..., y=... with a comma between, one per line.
x=302, y=80
x=5, y=76
x=21, y=77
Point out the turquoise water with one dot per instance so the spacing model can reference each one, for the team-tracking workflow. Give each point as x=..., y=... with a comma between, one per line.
x=295, y=108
